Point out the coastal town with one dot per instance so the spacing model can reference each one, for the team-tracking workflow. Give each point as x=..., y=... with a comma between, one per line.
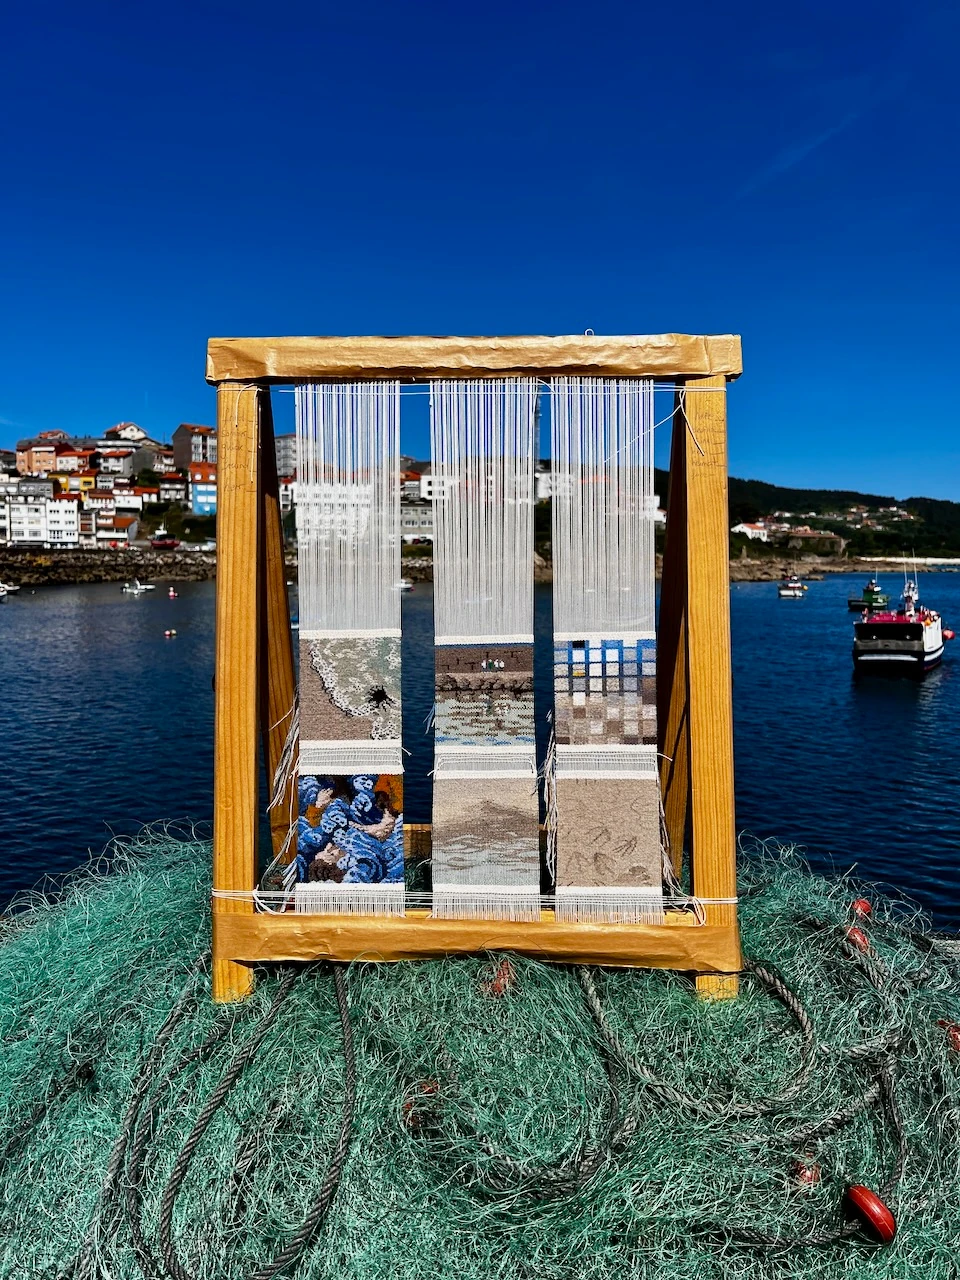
x=59, y=492
x=125, y=493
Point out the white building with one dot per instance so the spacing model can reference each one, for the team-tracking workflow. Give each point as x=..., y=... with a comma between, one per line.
x=288, y=493
x=286, y=451
x=39, y=520
x=416, y=520
x=755, y=532
x=63, y=521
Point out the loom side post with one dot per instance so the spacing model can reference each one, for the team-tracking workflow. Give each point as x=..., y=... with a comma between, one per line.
x=235, y=696
x=672, y=704
x=278, y=690
x=713, y=861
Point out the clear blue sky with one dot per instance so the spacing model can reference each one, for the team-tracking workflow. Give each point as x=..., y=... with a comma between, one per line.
x=784, y=172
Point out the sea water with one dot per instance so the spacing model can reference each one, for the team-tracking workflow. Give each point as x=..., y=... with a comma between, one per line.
x=107, y=725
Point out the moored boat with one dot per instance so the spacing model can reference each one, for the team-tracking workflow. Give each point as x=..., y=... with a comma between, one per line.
x=790, y=588
x=162, y=541
x=908, y=642
x=872, y=598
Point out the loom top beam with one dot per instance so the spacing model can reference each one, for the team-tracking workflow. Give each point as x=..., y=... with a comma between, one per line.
x=663, y=355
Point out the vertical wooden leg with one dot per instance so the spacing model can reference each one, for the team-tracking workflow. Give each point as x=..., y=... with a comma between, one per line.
x=713, y=831
x=279, y=688
x=672, y=719
x=235, y=698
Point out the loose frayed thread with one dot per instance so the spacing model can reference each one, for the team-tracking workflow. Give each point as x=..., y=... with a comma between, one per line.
x=609, y=906
x=350, y=899
x=479, y=902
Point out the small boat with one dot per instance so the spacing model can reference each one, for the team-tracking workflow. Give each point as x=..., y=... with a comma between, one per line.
x=790, y=588
x=8, y=588
x=162, y=541
x=137, y=588
x=405, y=584
x=872, y=598
x=908, y=642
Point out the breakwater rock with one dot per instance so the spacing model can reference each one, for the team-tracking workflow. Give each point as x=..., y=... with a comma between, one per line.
x=35, y=568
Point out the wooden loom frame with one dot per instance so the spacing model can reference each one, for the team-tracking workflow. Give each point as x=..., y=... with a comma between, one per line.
x=256, y=687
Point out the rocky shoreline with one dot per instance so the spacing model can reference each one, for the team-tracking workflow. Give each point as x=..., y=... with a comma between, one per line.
x=36, y=568
x=32, y=568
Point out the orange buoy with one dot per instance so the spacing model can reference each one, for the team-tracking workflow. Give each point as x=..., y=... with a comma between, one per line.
x=862, y=908
x=858, y=938
x=872, y=1212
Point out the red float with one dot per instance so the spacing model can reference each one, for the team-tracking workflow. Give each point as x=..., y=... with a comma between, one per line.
x=862, y=908
x=806, y=1174
x=503, y=981
x=877, y=1219
x=858, y=938
x=952, y=1032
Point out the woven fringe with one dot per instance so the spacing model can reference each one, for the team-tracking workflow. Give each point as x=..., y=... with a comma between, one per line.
x=582, y=905
x=485, y=902
x=350, y=899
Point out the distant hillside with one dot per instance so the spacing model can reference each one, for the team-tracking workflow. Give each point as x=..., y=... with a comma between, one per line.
x=935, y=532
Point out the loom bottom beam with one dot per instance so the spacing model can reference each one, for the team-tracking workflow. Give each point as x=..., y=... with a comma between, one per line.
x=678, y=944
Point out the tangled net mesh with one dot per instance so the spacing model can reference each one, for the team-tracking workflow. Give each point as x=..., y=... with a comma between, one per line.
x=494, y=1131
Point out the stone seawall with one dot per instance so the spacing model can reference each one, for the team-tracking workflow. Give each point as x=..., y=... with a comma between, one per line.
x=34, y=568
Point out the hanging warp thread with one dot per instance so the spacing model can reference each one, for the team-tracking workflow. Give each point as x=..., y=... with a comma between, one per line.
x=486, y=862
x=350, y=825
x=605, y=794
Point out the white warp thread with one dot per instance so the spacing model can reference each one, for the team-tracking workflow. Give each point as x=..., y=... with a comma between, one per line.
x=482, y=435
x=603, y=506
x=348, y=506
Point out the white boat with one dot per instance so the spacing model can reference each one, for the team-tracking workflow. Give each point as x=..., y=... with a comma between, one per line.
x=908, y=641
x=790, y=588
x=137, y=588
x=8, y=588
x=405, y=584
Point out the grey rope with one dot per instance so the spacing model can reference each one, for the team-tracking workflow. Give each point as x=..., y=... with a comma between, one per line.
x=84, y=1261
x=680, y=1097
x=318, y=1210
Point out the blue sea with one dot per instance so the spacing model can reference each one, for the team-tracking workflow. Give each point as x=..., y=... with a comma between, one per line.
x=108, y=725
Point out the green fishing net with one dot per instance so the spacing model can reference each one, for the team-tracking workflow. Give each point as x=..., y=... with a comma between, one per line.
x=495, y=1134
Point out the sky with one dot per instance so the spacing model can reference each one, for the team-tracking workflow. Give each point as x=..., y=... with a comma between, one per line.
x=789, y=173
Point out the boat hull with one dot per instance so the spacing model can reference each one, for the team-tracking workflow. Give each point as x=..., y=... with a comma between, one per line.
x=897, y=648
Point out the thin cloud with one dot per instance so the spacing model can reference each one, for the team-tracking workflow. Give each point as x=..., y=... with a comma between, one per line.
x=793, y=155
x=863, y=93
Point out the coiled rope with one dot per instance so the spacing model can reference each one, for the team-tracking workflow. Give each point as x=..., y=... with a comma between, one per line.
x=320, y=1206
x=504, y=1174
x=125, y=1167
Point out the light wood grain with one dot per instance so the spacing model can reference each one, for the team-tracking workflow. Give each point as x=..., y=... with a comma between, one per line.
x=713, y=833
x=235, y=699
x=663, y=355
x=672, y=708
x=292, y=936
x=278, y=690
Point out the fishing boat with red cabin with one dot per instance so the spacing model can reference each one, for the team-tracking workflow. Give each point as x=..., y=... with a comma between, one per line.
x=909, y=641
